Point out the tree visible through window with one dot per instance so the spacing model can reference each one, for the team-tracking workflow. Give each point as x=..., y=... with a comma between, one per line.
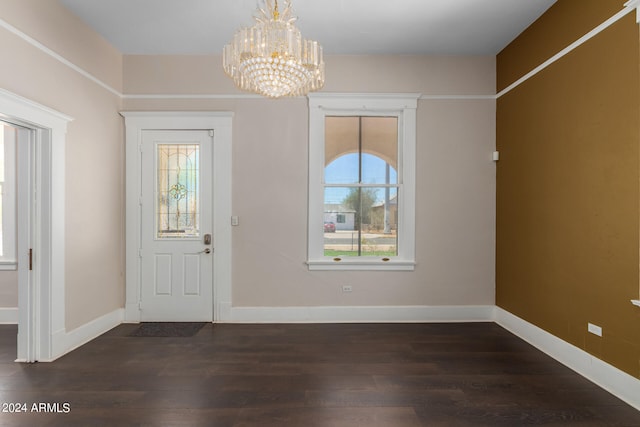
x=361, y=181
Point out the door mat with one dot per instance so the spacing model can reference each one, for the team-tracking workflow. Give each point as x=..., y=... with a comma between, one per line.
x=167, y=329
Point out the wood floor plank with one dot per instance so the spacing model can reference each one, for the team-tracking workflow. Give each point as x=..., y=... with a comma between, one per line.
x=396, y=375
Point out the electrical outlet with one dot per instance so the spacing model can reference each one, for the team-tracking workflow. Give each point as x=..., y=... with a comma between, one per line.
x=594, y=329
x=347, y=288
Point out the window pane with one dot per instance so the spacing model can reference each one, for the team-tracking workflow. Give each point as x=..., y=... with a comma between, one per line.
x=343, y=170
x=360, y=221
x=361, y=150
x=379, y=150
x=341, y=150
x=177, y=201
x=377, y=171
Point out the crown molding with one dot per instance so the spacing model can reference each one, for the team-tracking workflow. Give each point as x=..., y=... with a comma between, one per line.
x=629, y=7
x=35, y=43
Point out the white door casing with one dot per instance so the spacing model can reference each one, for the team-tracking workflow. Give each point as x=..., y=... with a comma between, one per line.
x=176, y=216
x=41, y=305
x=27, y=322
x=221, y=123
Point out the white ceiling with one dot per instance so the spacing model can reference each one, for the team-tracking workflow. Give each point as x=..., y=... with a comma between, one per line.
x=443, y=27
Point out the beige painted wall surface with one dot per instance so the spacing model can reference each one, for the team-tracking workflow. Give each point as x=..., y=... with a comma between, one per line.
x=49, y=23
x=455, y=190
x=94, y=153
x=197, y=75
x=8, y=289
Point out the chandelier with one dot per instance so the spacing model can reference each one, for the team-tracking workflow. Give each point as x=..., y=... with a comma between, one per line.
x=271, y=58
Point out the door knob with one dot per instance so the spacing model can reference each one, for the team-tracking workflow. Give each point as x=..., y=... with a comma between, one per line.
x=205, y=251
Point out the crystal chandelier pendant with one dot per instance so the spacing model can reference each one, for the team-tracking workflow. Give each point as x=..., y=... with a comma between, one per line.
x=271, y=58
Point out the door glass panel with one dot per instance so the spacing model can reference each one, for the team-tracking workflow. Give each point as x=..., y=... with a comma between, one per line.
x=177, y=192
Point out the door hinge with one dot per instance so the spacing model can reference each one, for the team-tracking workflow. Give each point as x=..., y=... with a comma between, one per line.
x=30, y=259
x=139, y=253
x=211, y=133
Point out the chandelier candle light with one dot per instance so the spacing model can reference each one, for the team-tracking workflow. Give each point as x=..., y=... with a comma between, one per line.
x=271, y=58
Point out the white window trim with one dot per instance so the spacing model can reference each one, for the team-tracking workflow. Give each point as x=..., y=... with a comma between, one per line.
x=404, y=107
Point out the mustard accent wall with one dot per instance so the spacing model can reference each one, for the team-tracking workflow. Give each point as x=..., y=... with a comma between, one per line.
x=568, y=181
x=565, y=22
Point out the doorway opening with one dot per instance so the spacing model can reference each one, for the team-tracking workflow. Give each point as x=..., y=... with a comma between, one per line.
x=171, y=202
x=39, y=255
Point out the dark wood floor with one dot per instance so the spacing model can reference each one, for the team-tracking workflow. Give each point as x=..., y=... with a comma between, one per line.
x=308, y=375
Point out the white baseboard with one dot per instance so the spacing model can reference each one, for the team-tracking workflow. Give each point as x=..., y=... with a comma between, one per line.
x=608, y=377
x=360, y=314
x=64, y=342
x=8, y=315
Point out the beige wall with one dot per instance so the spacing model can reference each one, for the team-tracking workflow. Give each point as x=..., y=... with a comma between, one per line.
x=94, y=148
x=568, y=183
x=8, y=289
x=456, y=178
x=455, y=189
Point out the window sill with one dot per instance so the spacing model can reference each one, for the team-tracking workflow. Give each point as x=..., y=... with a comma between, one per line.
x=361, y=265
x=8, y=265
x=635, y=302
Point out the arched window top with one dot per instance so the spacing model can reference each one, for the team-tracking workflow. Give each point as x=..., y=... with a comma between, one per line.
x=362, y=181
x=350, y=168
x=373, y=135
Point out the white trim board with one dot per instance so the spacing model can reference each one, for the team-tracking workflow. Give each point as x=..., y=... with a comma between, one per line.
x=606, y=376
x=8, y=315
x=361, y=314
x=628, y=8
x=66, y=342
x=41, y=301
x=35, y=43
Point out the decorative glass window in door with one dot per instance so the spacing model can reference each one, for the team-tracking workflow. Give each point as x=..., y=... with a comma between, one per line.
x=177, y=191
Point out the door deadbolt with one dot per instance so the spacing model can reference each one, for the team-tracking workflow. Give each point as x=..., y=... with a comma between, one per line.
x=207, y=239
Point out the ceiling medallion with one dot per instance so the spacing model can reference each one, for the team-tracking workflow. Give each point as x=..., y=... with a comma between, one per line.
x=271, y=58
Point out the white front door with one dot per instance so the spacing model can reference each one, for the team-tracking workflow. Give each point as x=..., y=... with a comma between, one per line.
x=176, y=226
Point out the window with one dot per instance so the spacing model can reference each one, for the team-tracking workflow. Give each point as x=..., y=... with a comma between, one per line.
x=177, y=207
x=362, y=176
x=7, y=196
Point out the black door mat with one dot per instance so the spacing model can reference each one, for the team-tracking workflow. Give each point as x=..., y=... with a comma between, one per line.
x=167, y=329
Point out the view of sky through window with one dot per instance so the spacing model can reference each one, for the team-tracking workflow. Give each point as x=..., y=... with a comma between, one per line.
x=344, y=170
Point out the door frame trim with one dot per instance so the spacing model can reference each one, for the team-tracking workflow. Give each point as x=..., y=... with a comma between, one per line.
x=221, y=124
x=41, y=304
